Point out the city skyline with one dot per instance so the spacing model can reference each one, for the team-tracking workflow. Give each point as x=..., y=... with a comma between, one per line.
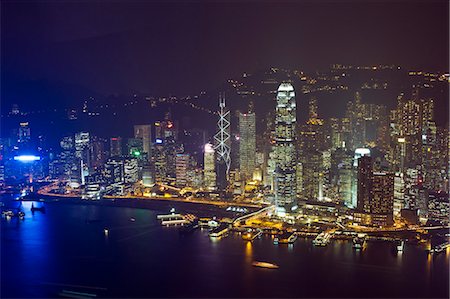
x=225, y=149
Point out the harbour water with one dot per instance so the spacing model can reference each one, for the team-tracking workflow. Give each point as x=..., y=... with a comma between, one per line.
x=66, y=249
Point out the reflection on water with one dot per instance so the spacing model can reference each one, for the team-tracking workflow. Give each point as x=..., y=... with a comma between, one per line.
x=248, y=252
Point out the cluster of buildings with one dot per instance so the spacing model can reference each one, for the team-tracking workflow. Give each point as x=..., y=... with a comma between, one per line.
x=382, y=165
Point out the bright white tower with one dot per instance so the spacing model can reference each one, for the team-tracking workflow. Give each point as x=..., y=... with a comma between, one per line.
x=285, y=151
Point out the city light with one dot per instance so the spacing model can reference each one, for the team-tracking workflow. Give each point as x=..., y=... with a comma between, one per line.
x=27, y=158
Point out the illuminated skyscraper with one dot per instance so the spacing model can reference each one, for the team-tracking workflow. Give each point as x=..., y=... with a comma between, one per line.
x=222, y=144
x=144, y=132
x=209, y=174
x=182, y=166
x=247, y=144
x=382, y=198
x=285, y=171
x=115, y=146
x=24, y=132
x=364, y=183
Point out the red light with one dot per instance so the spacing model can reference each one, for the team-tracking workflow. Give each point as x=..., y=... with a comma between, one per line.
x=114, y=139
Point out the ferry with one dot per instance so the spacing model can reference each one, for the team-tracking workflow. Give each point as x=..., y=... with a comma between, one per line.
x=440, y=248
x=399, y=244
x=359, y=241
x=219, y=231
x=251, y=235
x=322, y=239
x=285, y=238
x=8, y=213
x=172, y=219
x=265, y=265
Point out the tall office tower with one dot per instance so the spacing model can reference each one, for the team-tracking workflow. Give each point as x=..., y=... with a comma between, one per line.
x=247, y=144
x=114, y=170
x=209, y=173
x=286, y=158
x=413, y=115
x=159, y=160
x=382, y=198
x=399, y=194
x=364, y=183
x=144, y=132
x=115, y=146
x=82, y=145
x=182, y=167
x=341, y=175
x=171, y=150
x=97, y=153
x=24, y=134
x=312, y=174
x=130, y=170
x=355, y=113
x=222, y=145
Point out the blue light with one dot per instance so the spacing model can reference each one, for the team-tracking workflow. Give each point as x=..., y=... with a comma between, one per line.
x=27, y=158
x=159, y=141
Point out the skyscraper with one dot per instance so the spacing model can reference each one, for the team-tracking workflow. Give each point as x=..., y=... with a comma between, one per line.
x=115, y=146
x=222, y=144
x=247, y=144
x=382, y=198
x=182, y=166
x=364, y=183
x=144, y=132
x=285, y=171
x=209, y=174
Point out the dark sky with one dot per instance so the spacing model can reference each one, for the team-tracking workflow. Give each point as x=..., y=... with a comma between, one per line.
x=175, y=47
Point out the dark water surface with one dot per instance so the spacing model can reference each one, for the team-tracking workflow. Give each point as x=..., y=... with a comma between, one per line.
x=45, y=254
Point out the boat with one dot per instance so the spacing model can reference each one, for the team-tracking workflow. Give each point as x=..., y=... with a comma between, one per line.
x=285, y=238
x=219, y=231
x=440, y=247
x=8, y=213
x=33, y=208
x=322, y=239
x=251, y=235
x=399, y=244
x=359, y=241
x=265, y=265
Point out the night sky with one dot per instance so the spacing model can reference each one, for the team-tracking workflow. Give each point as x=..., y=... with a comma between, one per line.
x=181, y=48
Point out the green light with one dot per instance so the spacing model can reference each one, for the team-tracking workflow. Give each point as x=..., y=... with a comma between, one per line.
x=136, y=153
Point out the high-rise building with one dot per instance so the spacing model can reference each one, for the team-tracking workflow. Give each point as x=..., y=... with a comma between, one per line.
x=24, y=132
x=115, y=146
x=312, y=170
x=382, y=198
x=144, y=132
x=399, y=194
x=222, y=145
x=209, y=173
x=130, y=170
x=286, y=162
x=364, y=183
x=82, y=152
x=247, y=144
x=182, y=167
